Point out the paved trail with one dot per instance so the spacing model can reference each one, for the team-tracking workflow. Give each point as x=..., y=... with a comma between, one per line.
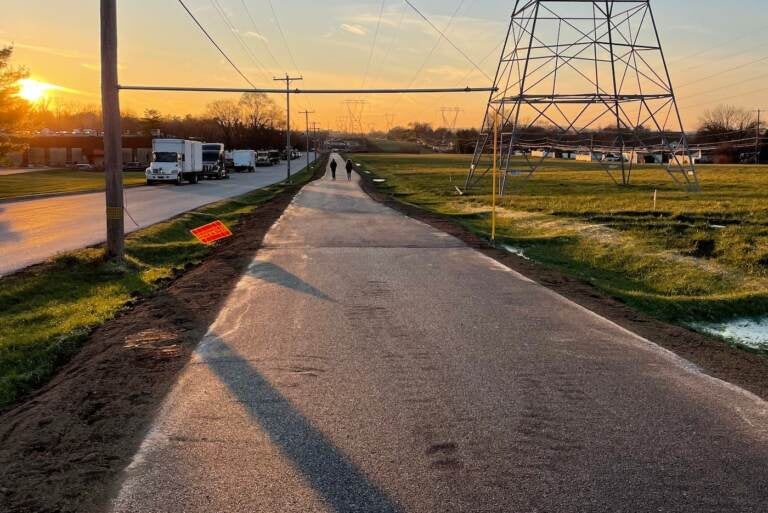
x=367, y=362
x=36, y=229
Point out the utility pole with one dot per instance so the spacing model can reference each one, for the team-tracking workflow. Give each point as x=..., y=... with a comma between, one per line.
x=314, y=131
x=306, y=115
x=287, y=79
x=757, y=139
x=110, y=106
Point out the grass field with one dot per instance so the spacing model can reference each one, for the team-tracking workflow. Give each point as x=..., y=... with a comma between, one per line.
x=697, y=257
x=387, y=146
x=55, y=181
x=47, y=311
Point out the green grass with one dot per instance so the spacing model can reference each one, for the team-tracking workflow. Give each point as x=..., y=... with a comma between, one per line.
x=697, y=257
x=56, y=181
x=387, y=146
x=47, y=311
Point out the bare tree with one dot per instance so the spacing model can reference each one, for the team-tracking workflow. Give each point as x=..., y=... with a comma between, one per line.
x=726, y=118
x=259, y=111
x=228, y=116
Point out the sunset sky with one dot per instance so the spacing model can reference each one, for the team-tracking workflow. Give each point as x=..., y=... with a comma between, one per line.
x=330, y=43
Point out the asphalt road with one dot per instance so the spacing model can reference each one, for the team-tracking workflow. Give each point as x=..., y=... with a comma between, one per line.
x=369, y=363
x=34, y=230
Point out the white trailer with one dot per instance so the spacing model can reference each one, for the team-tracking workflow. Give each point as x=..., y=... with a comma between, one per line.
x=175, y=160
x=244, y=160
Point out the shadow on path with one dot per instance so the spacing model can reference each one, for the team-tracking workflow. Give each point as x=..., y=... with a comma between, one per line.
x=344, y=486
x=272, y=273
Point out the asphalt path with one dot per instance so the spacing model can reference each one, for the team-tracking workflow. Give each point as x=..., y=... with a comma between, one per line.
x=369, y=363
x=33, y=230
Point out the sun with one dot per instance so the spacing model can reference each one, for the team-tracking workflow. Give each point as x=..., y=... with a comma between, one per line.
x=33, y=90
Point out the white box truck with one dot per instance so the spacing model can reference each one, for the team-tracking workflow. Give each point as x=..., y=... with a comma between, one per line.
x=175, y=160
x=214, y=163
x=244, y=160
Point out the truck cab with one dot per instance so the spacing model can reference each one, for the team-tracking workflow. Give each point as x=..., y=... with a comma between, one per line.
x=262, y=158
x=175, y=161
x=214, y=162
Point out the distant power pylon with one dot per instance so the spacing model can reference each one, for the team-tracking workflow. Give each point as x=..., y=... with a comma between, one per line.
x=389, y=120
x=587, y=78
x=450, y=117
x=355, y=109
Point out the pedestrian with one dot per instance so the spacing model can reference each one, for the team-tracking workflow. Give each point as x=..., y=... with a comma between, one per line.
x=349, y=169
x=333, y=169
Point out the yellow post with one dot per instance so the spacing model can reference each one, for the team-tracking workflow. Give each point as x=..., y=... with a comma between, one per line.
x=495, y=150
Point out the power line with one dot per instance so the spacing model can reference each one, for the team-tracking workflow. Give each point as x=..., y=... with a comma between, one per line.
x=448, y=40
x=258, y=32
x=225, y=18
x=373, y=44
x=216, y=44
x=282, y=34
x=744, y=65
x=436, y=45
x=392, y=41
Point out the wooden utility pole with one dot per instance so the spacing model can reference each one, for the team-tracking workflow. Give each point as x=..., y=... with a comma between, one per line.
x=315, y=128
x=113, y=154
x=287, y=79
x=306, y=114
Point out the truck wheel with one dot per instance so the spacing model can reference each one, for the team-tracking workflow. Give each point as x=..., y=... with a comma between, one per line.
x=179, y=179
x=150, y=182
x=193, y=179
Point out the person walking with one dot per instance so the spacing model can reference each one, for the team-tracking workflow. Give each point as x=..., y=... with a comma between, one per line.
x=333, y=169
x=349, y=169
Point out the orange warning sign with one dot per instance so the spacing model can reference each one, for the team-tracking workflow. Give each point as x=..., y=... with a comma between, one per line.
x=211, y=232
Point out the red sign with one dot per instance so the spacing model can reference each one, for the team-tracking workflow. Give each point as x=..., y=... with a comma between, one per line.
x=211, y=232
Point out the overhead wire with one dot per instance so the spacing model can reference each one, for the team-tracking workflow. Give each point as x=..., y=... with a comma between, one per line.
x=282, y=34
x=258, y=33
x=218, y=47
x=455, y=47
x=373, y=43
x=236, y=33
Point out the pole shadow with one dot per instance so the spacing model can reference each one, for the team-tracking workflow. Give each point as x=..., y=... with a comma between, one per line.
x=340, y=482
x=273, y=273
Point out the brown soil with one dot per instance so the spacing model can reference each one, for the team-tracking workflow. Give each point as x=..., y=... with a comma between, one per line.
x=715, y=357
x=63, y=449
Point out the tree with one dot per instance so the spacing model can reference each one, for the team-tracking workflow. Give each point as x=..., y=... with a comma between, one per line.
x=228, y=116
x=726, y=119
x=152, y=120
x=14, y=110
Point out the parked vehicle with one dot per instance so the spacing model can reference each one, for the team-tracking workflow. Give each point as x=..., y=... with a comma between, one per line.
x=229, y=164
x=175, y=160
x=295, y=154
x=262, y=158
x=84, y=167
x=214, y=163
x=134, y=166
x=245, y=160
x=274, y=157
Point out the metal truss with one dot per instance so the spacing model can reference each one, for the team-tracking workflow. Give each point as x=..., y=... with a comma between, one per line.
x=583, y=77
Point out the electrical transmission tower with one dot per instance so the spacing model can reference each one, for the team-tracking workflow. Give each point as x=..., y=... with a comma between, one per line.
x=450, y=117
x=585, y=79
x=355, y=110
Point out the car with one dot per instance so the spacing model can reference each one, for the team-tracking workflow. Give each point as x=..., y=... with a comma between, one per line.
x=274, y=156
x=134, y=166
x=84, y=167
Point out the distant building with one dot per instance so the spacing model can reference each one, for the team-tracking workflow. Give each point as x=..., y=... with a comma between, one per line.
x=49, y=149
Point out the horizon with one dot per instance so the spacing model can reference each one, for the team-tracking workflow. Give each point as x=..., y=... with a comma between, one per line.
x=347, y=51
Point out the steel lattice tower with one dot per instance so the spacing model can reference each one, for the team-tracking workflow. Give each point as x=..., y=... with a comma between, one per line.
x=587, y=77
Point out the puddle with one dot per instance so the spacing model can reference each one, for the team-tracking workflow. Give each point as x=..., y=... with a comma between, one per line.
x=379, y=180
x=515, y=251
x=748, y=332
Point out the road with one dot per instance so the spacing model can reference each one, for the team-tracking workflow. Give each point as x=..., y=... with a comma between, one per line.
x=20, y=170
x=369, y=363
x=34, y=230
